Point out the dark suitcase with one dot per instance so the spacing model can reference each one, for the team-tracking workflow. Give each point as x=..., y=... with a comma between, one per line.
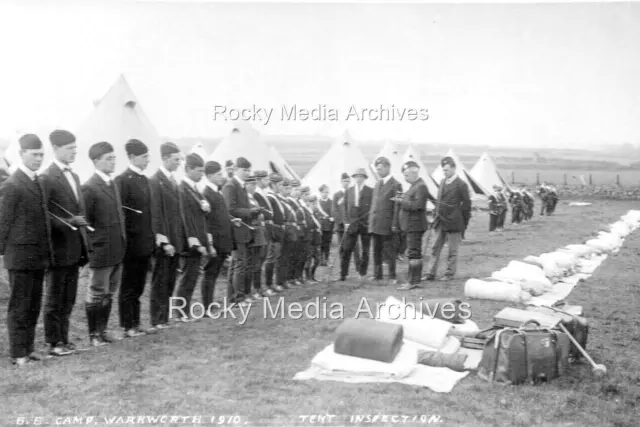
x=577, y=326
x=527, y=354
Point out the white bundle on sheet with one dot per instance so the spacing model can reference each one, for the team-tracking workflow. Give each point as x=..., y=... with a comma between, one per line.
x=467, y=329
x=495, y=290
x=632, y=218
x=606, y=242
x=564, y=260
x=581, y=251
x=417, y=326
x=534, y=260
x=550, y=268
x=620, y=229
x=530, y=277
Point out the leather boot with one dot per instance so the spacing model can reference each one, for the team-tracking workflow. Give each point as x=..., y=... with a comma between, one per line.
x=90, y=311
x=268, y=275
x=415, y=271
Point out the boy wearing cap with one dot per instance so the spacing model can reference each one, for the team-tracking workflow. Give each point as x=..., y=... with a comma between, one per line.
x=289, y=241
x=494, y=209
x=135, y=196
x=325, y=210
x=25, y=243
x=298, y=254
x=357, y=206
x=267, y=211
x=70, y=247
x=313, y=257
x=452, y=215
x=196, y=237
x=504, y=208
x=168, y=226
x=237, y=201
x=273, y=262
x=108, y=241
x=219, y=226
x=383, y=221
x=258, y=244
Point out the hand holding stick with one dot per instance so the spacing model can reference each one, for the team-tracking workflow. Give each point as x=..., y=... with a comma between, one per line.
x=63, y=221
x=90, y=228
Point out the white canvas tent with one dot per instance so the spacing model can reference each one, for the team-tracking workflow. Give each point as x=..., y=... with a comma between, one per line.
x=391, y=152
x=475, y=188
x=245, y=141
x=12, y=153
x=343, y=156
x=282, y=164
x=486, y=173
x=116, y=118
x=412, y=153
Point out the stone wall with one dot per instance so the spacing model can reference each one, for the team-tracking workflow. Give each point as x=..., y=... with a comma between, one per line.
x=614, y=192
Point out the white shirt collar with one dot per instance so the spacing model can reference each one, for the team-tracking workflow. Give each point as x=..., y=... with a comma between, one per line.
x=189, y=182
x=104, y=176
x=260, y=191
x=136, y=169
x=450, y=180
x=239, y=180
x=166, y=172
x=61, y=165
x=386, y=179
x=212, y=186
x=31, y=174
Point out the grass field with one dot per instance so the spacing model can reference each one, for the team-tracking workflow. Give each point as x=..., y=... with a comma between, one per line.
x=219, y=367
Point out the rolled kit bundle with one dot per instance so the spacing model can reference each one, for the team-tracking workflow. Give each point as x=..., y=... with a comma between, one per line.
x=436, y=359
x=369, y=339
x=495, y=290
x=418, y=327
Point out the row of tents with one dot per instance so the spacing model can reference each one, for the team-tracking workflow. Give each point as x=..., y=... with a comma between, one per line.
x=118, y=116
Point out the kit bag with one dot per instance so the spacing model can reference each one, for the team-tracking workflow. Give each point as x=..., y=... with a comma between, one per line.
x=478, y=341
x=577, y=326
x=529, y=354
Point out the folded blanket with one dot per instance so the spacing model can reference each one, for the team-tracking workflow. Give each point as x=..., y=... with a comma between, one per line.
x=467, y=329
x=417, y=327
x=369, y=339
x=495, y=290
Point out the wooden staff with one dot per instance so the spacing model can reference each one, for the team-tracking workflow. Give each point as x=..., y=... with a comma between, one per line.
x=68, y=213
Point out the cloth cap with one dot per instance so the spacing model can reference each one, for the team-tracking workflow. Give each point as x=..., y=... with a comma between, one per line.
x=344, y=176
x=323, y=187
x=275, y=177
x=313, y=198
x=360, y=171
x=409, y=164
x=382, y=161
x=136, y=147
x=212, y=167
x=295, y=183
x=243, y=163
x=286, y=182
x=251, y=179
x=193, y=161
x=30, y=142
x=261, y=174
x=448, y=161
x=228, y=164
x=60, y=138
x=168, y=148
x=99, y=149
x=305, y=189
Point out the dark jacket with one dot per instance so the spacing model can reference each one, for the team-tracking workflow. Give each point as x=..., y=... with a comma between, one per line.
x=136, y=194
x=338, y=209
x=268, y=216
x=69, y=246
x=218, y=222
x=166, y=214
x=291, y=228
x=303, y=226
x=381, y=217
x=104, y=214
x=237, y=200
x=453, y=207
x=277, y=229
x=325, y=213
x=25, y=236
x=413, y=212
x=358, y=216
x=195, y=219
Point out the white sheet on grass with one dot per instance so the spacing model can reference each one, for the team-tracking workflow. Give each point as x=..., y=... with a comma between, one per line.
x=330, y=366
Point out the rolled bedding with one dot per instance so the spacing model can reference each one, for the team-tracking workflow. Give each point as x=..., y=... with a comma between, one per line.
x=454, y=361
x=467, y=329
x=418, y=327
x=495, y=290
x=620, y=229
x=581, y=251
x=369, y=339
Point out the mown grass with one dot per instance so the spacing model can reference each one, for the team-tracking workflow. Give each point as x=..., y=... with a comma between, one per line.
x=219, y=367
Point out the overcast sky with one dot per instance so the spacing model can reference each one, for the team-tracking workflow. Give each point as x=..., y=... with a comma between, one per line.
x=527, y=75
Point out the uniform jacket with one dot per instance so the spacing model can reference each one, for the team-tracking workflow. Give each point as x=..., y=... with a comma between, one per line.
x=136, y=194
x=494, y=204
x=195, y=219
x=104, y=214
x=166, y=214
x=237, y=200
x=277, y=229
x=325, y=213
x=25, y=236
x=70, y=247
x=413, y=210
x=259, y=232
x=453, y=207
x=300, y=219
x=381, y=217
x=292, y=230
x=264, y=203
x=218, y=221
x=358, y=216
